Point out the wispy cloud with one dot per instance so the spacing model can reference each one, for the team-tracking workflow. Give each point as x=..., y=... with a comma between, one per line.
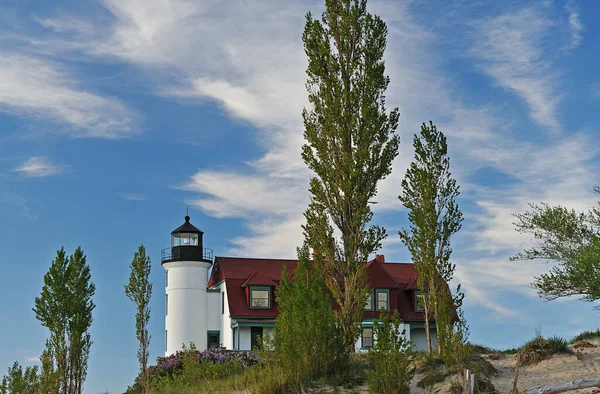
x=256, y=73
x=32, y=359
x=133, y=197
x=511, y=50
x=16, y=201
x=40, y=166
x=574, y=23
x=39, y=88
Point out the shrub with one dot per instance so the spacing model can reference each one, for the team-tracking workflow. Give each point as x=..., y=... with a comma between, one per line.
x=539, y=349
x=307, y=344
x=391, y=358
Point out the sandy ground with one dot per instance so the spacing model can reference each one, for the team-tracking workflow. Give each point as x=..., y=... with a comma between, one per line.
x=556, y=370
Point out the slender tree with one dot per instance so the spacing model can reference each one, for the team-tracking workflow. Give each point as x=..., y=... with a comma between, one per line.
x=139, y=291
x=571, y=240
x=429, y=193
x=65, y=307
x=350, y=146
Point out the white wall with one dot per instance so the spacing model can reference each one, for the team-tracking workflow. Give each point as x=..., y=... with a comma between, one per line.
x=225, y=320
x=213, y=317
x=186, y=319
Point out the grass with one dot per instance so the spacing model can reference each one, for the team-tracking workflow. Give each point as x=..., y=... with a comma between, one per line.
x=589, y=334
x=539, y=349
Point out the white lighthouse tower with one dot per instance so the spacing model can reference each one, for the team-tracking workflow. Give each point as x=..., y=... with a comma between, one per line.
x=186, y=264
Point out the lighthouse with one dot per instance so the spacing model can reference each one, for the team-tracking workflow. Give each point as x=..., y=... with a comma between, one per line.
x=186, y=265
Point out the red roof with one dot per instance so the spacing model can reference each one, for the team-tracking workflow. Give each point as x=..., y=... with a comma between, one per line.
x=258, y=279
x=239, y=273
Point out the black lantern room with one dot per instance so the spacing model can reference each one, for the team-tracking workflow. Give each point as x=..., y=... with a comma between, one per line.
x=186, y=245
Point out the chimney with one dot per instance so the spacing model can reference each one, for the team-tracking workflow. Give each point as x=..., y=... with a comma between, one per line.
x=380, y=258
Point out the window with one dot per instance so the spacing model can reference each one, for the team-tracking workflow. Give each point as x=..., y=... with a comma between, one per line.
x=260, y=297
x=369, y=304
x=166, y=278
x=166, y=304
x=367, y=337
x=165, y=340
x=383, y=299
x=213, y=339
x=222, y=303
x=419, y=301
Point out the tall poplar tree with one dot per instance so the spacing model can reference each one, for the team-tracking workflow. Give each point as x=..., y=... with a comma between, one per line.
x=350, y=146
x=65, y=307
x=139, y=291
x=429, y=192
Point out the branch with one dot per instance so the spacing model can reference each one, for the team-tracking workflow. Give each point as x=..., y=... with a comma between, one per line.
x=561, y=388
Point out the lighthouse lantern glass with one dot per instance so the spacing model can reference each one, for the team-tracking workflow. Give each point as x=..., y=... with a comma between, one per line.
x=184, y=239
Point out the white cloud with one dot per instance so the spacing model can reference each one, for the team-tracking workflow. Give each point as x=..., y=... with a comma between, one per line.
x=32, y=358
x=511, y=49
x=39, y=166
x=39, y=88
x=575, y=24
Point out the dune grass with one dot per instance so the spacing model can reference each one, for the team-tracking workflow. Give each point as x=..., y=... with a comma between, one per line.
x=589, y=334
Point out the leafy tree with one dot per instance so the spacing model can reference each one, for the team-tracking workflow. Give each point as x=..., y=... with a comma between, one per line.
x=139, y=291
x=350, y=146
x=19, y=381
x=65, y=307
x=570, y=239
x=429, y=192
x=392, y=357
x=307, y=342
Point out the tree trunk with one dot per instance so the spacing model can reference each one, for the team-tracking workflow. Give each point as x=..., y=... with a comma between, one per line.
x=561, y=388
x=427, y=333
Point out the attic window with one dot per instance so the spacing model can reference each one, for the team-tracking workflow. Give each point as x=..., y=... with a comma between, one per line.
x=260, y=297
x=383, y=299
x=419, y=302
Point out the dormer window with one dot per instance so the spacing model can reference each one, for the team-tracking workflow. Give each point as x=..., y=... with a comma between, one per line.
x=383, y=299
x=260, y=297
x=419, y=301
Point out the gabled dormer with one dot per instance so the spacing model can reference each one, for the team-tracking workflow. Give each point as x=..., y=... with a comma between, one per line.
x=259, y=291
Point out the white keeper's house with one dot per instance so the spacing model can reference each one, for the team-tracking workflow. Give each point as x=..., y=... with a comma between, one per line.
x=235, y=304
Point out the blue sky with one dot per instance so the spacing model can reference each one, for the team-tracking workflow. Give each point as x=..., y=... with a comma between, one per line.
x=117, y=114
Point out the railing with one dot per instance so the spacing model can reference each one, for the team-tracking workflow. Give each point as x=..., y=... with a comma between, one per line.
x=190, y=253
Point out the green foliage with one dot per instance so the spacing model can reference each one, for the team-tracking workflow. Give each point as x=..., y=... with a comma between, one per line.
x=429, y=193
x=590, y=334
x=307, y=343
x=20, y=381
x=391, y=357
x=139, y=291
x=65, y=307
x=569, y=238
x=350, y=146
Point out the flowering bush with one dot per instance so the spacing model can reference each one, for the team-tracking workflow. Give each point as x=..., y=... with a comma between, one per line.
x=166, y=366
x=195, y=365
